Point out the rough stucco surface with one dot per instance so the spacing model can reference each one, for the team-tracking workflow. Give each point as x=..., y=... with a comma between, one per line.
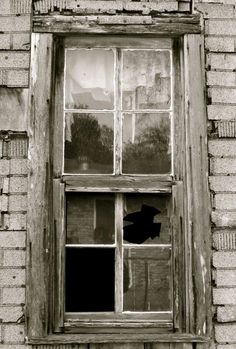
x=220, y=52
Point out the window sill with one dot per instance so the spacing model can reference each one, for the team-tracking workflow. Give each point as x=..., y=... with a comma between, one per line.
x=118, y=337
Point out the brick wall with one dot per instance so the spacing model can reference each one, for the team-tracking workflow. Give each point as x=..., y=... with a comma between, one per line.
x=220, y=46
x=13, y=207
x=15, y=27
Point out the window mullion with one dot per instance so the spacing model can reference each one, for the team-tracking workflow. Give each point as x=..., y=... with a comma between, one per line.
x=118, y=116
x=119, y=254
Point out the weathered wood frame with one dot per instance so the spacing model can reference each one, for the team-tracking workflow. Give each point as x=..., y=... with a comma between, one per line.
x=116, y=184
x=191, y=184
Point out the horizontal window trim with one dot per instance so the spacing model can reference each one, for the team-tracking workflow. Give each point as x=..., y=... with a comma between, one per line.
x=123, y=111
x=119, y=338
x=162, y=43
x=165, y=25
x=121, y=183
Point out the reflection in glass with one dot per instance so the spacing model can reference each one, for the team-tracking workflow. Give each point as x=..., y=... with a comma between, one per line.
x=134, y=202
x=89, y=79
x=146, y=143
x=90, y=218
x=146, y=80
x=88, y=143
x=146, y=276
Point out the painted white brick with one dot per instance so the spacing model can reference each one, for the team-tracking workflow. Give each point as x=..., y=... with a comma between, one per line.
x=224, y=218
x=221, y=112
x=224, y=296
x=224, y=259
x=12, y=239
x=223, y=166
x=14, y=59
x=222, y=95
x=215, y=10
x=16, y=23
x=225, y=201
x=4, y=167
x=225, y=277
x=13, y=295
x=220, y=44
x=10, y=314
x=18, y=166
x=225, y=333
x=15, y=258
x=226, y=314
x=13, y=333
x=223, y=183
x=12, y=277
x=18, y=185
x=223, y=27
x=221, y=78
x=222, y=61
x=14, y=221
x=17, y=203
x=222, y=147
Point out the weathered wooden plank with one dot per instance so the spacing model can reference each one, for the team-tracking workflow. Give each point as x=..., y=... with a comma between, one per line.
x=120, y=338
x=58, y=108
x=178, y=257
x=119, y=317
x=198, y=205
x=59, y=253
x=39, y=186
x=118, y=42
x=168, y=25
x=139, y=184
x=118, y=346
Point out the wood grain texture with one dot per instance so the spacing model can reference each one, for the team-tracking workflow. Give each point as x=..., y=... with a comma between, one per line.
x=124, y=183
x=177, y=24
x=198, y=205
x=58, y=254
x=39, y=186
x=120, y=338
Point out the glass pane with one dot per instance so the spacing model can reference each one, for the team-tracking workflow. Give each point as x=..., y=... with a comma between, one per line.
x=89, y=79
x=147, y=279
x=147, y=219
x=89, y=143
x=146, y=143
x=90, y=218
x=146, y=80
x=90, y=279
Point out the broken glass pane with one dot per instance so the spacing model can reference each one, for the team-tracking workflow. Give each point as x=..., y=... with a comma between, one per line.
x=89, y=279
x=146, y=147
x=90, y=218
x=89, y=81
x=147, y=219
x=146, y=80
x=146, y=276
x=88, y=143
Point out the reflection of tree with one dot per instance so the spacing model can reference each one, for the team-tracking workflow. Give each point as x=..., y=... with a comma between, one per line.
x=90, y=140
x=149, y=152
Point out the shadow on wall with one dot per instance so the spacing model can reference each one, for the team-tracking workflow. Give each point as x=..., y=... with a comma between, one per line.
x=13, y=109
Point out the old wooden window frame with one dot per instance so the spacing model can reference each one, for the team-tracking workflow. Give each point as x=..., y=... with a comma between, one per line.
x=117, y=184
x=190, y=189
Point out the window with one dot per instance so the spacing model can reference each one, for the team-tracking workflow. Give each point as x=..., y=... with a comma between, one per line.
x=118, y=128
x=125, y=154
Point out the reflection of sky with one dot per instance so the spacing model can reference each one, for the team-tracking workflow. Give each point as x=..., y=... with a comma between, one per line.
x=90, y=72
x=103, y=120
x=136, y=123
x=140, y=68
